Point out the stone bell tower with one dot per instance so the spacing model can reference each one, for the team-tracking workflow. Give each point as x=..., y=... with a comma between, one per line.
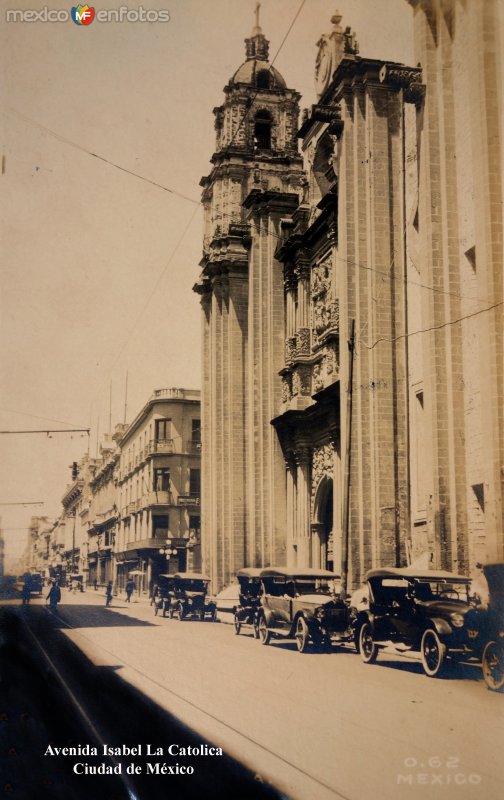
x=255, y=181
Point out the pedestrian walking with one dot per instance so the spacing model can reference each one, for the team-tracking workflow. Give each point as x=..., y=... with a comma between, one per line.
x=130, y=588
x=108, y=594
x=54, y=596
x=26, y=591
x=95, y=584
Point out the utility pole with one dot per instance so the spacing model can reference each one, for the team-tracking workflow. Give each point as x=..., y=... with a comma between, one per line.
x=348, y=443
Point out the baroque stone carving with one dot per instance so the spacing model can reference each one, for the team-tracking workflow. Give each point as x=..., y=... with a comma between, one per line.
x=320, y=295
x=290, y=349
x=322, y=466
x=301, y=380
x=318, y=383
x=303, y=342
x=286, y=387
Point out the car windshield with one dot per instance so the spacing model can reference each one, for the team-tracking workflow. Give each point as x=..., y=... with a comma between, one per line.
x=316, y=585
x=441, y=589
x=193, y=586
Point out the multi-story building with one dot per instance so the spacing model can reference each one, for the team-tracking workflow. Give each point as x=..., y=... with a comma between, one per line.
x=454, y=217
x=352, y=313
x=158, y=489
x=103, y=514
x=74, y=520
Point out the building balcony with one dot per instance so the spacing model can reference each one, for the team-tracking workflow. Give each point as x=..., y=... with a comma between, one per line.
x=160, y=446
x=161, y=498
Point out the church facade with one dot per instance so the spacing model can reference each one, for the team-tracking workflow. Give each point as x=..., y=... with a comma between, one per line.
x=337, y=433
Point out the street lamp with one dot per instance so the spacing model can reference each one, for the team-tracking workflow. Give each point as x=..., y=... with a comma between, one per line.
x=168, y=552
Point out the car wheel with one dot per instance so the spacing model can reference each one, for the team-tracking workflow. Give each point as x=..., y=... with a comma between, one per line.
x=367, y=648
x=264, y=634
x=433, y=653
x=302, y=635
x=237, y=625
x=493, y=666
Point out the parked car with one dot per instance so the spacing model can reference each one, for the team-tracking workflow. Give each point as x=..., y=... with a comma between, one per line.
x=489, y=628
x=303, y=605
x=247, y=611
x=36, y=583
x=417, y=610
x=227, y=601
x=189, y=597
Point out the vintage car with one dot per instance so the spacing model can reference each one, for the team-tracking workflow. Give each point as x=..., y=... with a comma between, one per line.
x=303, y=605
x=189, y=597
x=249, y=605
x=36, y=583
x=490, y=628
x=416, y=610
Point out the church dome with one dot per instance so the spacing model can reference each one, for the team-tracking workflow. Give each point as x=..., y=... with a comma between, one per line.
x=259, y=73
x=256, y=70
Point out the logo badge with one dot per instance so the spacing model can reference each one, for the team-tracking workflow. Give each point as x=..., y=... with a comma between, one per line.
x=83, y=15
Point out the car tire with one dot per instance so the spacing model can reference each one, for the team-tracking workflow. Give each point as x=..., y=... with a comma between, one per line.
x=237, y=625
x=264, y=634
x=367, y=648
x=433, y=653
x=302, y=635
x=493, y=666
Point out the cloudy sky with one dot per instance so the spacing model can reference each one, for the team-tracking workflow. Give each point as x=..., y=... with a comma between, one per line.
x=97, y=265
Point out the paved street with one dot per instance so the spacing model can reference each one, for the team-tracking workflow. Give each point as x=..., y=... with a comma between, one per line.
x=317, y=725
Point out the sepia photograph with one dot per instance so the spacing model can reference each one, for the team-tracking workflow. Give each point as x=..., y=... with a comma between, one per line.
x=252, y=400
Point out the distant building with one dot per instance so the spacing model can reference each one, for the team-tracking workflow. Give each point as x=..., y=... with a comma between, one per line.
x=103, y=515
x=158, y=489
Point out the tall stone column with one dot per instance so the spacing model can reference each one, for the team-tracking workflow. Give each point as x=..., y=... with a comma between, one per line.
x=291, y=533
x=303, y=460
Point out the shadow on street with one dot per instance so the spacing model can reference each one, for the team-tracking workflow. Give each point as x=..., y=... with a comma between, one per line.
x=52, y=694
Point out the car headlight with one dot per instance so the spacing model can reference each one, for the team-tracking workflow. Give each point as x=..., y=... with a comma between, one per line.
x=319, y=613
x=457, y=620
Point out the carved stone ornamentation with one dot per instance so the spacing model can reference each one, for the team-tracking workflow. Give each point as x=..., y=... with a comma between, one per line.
x=303, y=342
x=301, y=381
x=318, y=383
x=290, y=349
x=335, y=314
x=322, y=466
x=286, y=387
x=320, y=296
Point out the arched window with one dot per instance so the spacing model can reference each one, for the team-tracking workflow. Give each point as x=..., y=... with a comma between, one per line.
x=262, y=130
x=263, y=79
